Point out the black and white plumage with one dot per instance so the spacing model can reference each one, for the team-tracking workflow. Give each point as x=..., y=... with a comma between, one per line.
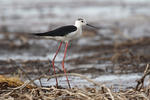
x=64, y=34
x=62, y=31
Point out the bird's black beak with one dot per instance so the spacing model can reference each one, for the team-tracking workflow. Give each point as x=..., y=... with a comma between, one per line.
x=92, y=26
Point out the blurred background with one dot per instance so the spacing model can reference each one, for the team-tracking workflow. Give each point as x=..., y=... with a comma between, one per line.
x=116, y=55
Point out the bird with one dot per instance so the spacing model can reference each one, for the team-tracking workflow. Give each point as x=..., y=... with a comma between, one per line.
x=65, y=34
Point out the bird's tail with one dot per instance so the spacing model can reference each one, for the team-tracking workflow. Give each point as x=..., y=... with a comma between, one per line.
x=40, y=34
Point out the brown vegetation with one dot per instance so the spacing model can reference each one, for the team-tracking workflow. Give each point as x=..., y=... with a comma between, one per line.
x=13, y=88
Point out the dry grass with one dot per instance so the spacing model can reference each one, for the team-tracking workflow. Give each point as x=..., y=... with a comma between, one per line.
x=14, y=89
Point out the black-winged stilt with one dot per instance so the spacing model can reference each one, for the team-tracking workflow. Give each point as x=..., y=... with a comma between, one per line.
x=65, y=34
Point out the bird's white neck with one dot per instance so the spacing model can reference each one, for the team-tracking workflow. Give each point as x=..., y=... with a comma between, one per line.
x=79, y=28
x=78, y=24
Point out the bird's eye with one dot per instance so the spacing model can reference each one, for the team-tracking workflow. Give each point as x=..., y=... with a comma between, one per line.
x=82, y=21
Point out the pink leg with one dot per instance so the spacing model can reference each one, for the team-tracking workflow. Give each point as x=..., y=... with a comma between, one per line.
x=53, y=62
x=63, y=64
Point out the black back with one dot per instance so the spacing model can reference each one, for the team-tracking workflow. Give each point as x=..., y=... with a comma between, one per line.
x=62, y=31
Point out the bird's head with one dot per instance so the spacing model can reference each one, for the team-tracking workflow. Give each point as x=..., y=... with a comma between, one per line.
x=81, y=22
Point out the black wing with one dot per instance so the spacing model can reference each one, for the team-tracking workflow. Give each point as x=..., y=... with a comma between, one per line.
x=62, y=31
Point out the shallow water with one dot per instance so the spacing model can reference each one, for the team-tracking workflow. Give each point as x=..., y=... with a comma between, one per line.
x=122, y=81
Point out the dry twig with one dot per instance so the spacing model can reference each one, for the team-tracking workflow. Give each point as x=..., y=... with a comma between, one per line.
x=140, y=82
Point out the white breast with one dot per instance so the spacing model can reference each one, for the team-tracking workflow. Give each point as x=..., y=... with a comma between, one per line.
x=76, y=34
